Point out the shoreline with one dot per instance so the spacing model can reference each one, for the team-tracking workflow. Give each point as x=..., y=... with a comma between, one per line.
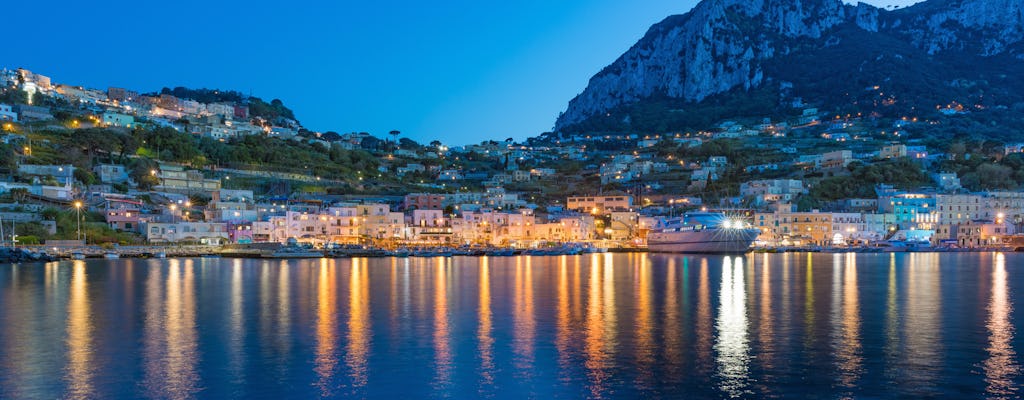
x=24, y=254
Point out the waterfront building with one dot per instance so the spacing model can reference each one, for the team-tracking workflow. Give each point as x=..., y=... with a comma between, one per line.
x=984, y=233
x=208, y=233
x=122, y=213
x=850, y=229
x=914, y=210
x=240, y=232
x=431, y=227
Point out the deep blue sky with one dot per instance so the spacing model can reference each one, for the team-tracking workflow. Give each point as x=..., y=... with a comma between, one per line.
x=458, y=70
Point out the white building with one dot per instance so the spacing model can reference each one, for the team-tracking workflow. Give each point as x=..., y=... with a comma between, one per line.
x=209, y=233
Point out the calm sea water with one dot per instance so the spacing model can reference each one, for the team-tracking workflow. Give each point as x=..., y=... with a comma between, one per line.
x=595, y=326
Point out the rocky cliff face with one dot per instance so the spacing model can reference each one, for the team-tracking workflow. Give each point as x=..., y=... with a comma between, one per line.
x=984, y=27
x=722, y=45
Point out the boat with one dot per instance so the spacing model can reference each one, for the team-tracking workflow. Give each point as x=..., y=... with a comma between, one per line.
x=77, y=255
x=160, y=254
x=919, y=247
x=294, y=252
x=431, y=252
x=111, y=255
x=401, y=253
x=500, y=252
x=703, y=232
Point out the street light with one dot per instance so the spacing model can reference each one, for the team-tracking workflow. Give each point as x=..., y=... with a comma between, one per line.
x=78, y=218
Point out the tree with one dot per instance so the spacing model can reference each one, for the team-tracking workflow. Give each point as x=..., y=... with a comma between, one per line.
x=394, y=137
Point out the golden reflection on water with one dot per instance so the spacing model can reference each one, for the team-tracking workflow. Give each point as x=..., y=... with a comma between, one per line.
x=848, y=349
x=170, y=343
x=732, y=345
x=326, y=328
x=644, y=322
x=358, y=322
x=672, y=330
x=562, y=319
x=81, y=351
x=442, y=346
x=485, y=342
x=1001, y=367
x=524, y=325
x=600, y=324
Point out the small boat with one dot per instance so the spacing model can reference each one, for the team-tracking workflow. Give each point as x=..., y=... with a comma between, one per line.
x=160, y=254
x=77, y=255
x=111, y=255
x=500, y=252
x=401, y=253
x=294, y=252
x=431, y=253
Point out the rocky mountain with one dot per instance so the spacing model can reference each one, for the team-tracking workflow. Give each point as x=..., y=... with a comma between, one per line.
x=751, y=55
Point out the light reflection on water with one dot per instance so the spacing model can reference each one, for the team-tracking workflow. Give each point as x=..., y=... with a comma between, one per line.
x=80, y=336
x=597, y=326
x=731, y=346
x=326, y=329
x=358, y=323
x=443, y=363
x=1001, y=367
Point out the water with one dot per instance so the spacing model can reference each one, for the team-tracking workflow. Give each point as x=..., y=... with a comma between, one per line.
x=608, y=326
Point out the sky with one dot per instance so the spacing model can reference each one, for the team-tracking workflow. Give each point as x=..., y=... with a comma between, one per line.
x=459, y=71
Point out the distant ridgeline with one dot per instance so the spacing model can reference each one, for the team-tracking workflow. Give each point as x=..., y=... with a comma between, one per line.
x=739, y=58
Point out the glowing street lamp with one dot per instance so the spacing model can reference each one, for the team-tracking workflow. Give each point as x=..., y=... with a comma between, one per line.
x=78, y=218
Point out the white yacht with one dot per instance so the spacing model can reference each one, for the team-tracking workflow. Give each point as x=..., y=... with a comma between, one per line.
x=702, y=232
